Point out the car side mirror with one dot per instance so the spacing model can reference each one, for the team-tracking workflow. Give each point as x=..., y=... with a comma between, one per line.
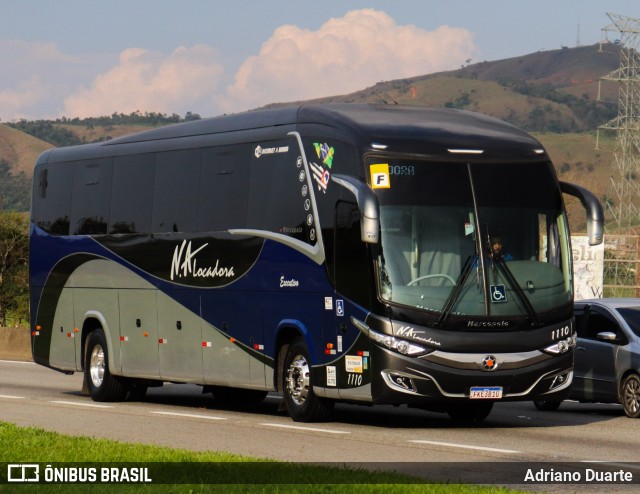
x=607, y=336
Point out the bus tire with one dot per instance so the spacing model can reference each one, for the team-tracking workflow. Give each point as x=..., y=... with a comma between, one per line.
x=303, y=405
x=102, y=385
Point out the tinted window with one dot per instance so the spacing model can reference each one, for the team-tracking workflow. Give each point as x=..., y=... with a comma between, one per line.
x=90, y=197
x=598, y=322
x=223, y=191
x=175, y=202
x=52, y=198
x=352, y=266
x=132, y=194
x=632, y=316
x=279, y=199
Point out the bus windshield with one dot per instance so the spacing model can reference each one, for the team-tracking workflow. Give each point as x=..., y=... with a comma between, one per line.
x=473, y=239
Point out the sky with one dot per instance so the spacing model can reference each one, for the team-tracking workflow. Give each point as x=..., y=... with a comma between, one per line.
x=83, y=58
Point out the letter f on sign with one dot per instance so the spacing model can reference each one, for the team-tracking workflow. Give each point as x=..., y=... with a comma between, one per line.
x=380, y=176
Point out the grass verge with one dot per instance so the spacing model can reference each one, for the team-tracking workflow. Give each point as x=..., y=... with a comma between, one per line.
x=35, y=445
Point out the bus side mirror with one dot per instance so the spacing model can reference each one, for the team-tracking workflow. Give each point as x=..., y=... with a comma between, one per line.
x=595, y=214
x=367, y=204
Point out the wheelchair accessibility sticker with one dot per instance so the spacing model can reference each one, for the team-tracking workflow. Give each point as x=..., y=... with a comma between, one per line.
x=498, y=293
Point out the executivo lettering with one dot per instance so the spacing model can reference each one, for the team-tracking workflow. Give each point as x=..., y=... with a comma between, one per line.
x=184, y=264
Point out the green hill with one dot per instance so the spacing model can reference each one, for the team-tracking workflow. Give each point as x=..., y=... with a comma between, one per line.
x=19, y=149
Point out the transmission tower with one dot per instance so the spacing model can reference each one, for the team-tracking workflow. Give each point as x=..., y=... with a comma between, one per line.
x=623, y=203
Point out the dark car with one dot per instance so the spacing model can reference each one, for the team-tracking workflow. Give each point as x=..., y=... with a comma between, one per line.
x=607, y=354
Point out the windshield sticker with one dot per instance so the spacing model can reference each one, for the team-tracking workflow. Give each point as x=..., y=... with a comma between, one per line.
x=325, y=153
x=321, y=176
x=380, y=176
x=498, y=293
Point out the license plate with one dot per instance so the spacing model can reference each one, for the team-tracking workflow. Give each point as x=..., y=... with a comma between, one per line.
x=486, y=393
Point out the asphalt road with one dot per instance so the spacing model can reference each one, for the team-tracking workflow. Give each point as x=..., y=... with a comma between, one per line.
x=180, y=416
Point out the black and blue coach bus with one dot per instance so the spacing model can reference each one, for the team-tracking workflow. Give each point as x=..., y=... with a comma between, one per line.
x=329, y=252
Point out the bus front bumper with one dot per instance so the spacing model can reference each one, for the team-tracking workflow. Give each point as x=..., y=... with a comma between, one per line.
x=442, y=377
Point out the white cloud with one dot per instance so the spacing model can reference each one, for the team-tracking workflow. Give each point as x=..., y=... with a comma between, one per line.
x=29, y=71
x=151, y=82
x=345, y=54
x=26, y=94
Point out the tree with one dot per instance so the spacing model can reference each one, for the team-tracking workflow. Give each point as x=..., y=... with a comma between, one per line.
x=14, y=270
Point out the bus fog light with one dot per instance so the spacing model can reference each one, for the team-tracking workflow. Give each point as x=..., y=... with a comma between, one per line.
x=561, y=381
x=398, y=380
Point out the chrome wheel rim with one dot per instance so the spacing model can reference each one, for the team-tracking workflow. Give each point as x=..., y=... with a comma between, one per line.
x=298, y=380
x=632, y=395
x=96, y=366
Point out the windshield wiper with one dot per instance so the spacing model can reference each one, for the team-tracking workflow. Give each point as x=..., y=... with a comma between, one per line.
x=455, y=293
x=496, y=257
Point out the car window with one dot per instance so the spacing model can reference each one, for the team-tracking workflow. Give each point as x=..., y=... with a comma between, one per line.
x=632, y=316
x=598, y=322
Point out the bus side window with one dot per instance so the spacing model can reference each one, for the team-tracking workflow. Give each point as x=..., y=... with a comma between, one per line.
x=132, y=194
x=52, y=206
x=352, y=267
x=42, y=183
x=90, y=197
x=279, y=200
x=224, y=184
x=175, y=203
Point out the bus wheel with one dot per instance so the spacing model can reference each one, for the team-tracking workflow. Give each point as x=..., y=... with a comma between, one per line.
x=470, y=412
x=101, y=384
x=302, y=403
x=631, y=396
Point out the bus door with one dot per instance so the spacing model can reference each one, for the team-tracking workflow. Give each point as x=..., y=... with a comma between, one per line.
x=351, y=263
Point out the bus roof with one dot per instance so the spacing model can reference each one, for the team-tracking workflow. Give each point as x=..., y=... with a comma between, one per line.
x=407, y=128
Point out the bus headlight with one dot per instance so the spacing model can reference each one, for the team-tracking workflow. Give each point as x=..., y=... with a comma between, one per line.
x=561, y=346
x=401, y=346
x=404, y=347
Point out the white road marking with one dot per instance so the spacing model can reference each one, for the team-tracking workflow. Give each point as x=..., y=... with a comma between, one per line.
x=81, y=404
x=466, y=446
x=12, y=397
x=308, y=429
x=16, y=362
x=190, y=415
